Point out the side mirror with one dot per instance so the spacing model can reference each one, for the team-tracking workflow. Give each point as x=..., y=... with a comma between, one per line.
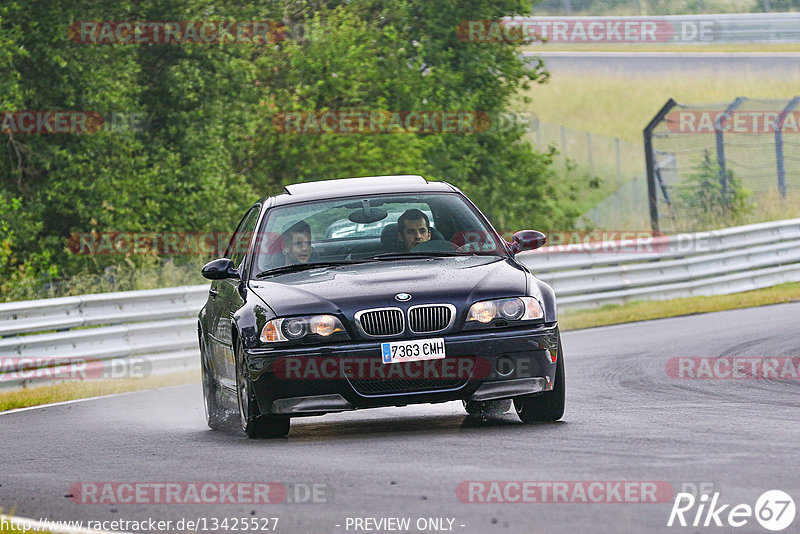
x=220, y=269
x=527, y=240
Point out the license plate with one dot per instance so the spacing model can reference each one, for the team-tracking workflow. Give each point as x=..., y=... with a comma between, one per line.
x=414, y=350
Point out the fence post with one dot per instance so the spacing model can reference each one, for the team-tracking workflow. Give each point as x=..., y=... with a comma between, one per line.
x=779, y=144
x=649, y=158
x=589, y=152
x=720, y=139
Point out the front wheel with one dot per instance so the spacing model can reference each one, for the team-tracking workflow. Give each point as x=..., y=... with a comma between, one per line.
x=216, y=416
x=547, y=406
x=253, y=423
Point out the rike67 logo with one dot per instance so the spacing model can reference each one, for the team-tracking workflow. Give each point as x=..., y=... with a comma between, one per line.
x=774, y=510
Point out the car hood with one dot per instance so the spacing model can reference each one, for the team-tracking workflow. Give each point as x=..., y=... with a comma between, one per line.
x=347, y=289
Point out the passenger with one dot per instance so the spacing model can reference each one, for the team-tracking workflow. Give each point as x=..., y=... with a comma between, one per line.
x=297, y=243
x=413, y=228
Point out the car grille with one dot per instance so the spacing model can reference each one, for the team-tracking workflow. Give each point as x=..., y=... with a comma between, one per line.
x=431, y=318
x=386, y=322
x=410, y=385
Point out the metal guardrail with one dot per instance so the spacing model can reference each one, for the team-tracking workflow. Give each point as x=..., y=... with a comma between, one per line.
x=103, y=308
x=684, y=29
x=704, y=263
x=131, y=333
x=156, y=329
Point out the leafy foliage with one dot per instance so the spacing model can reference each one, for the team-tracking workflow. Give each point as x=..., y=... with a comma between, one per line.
x=711, y=200
x=208, y=147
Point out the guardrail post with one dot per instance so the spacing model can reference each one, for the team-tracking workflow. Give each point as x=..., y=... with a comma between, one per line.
x=649, y=158
x=779, y=144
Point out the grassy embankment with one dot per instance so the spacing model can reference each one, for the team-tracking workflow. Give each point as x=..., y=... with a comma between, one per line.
x=35, y=396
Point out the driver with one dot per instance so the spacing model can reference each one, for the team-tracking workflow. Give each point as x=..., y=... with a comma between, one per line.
x=413, y=228
x=297, y=243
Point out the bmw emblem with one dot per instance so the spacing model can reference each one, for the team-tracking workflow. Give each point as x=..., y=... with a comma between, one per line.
x=402, y=297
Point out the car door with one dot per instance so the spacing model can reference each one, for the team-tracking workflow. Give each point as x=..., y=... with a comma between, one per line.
x=230, y=295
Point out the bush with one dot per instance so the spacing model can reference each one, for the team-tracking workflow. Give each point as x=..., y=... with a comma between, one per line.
x=709, y=199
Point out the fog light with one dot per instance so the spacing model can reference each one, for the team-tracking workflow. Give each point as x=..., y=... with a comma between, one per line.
x=504, y=365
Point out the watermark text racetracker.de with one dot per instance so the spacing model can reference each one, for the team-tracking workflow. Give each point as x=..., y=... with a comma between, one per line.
x=381, y=122
x=70, y=122
x=587, y=30
x=31, y=368
x=167, y=243
x=734, y=367
x=216, y=243
x=699, y=121
x=200, y=492
x=140, y=32
x=567, y=491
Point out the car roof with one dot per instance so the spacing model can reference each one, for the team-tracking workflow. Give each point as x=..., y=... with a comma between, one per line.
x=366, y=185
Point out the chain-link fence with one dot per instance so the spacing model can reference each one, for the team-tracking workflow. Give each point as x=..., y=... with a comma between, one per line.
x=721, y=164
x=607, y=172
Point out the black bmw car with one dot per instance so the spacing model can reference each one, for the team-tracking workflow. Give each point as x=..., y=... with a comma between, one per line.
x=379, y=291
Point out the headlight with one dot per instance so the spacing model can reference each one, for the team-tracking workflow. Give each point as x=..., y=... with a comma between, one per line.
x=511, y=309
x=290, y=329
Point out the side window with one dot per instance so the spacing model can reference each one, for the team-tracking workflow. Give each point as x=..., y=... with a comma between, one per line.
x=240, y=242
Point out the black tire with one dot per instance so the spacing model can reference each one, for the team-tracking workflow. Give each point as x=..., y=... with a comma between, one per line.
x=487, y=408
x=548, y=406
x=254, y=424
x=216, y=416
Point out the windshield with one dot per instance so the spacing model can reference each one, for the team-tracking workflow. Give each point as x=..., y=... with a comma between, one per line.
x=373, y=227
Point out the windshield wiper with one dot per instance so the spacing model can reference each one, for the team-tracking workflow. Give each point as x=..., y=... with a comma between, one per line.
x=297, y=267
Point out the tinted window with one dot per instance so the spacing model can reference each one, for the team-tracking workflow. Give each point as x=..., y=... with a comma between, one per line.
x=357, y=228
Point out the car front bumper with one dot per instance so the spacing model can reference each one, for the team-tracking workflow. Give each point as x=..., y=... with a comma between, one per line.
x=480, y=365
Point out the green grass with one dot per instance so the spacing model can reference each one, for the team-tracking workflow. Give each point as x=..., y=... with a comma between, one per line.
x=618, y=106
x=610, y=106
x=36, y=396
x=657, y=309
